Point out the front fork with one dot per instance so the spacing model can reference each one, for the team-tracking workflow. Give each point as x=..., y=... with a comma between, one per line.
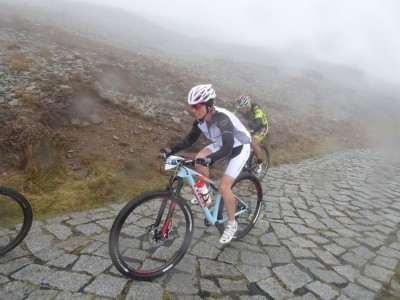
x=163, y=233
x=170, y=186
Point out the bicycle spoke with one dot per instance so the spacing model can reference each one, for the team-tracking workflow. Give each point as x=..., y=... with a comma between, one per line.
x=150, y=235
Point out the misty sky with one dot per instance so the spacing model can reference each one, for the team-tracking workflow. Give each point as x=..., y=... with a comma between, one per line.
x=358, y=33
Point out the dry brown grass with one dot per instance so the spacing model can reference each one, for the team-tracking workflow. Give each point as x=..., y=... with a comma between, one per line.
x=19, y=62
x=8, y=44
x=104, y=183
x=45, y=52
x=29, y=99
x=17, y=135
x=42, y=158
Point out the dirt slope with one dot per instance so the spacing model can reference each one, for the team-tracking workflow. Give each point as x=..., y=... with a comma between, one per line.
x=121, y=105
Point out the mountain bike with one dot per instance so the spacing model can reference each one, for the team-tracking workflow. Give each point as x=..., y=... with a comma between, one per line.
x=15, y=219
x=153, y=231
x=251, y=164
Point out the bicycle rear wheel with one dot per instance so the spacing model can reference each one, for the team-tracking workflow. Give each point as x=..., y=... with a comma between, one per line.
x=15, y=219
x=265, y=158
x=150, y=235
x=248, y=194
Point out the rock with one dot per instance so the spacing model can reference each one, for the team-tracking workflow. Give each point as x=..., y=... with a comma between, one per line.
x=14, y=102
x=176, y=120
x=95, y=119
x=75, y=121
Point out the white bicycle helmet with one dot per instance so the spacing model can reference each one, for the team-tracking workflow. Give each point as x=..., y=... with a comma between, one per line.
x=243, y=101
x=203, y=93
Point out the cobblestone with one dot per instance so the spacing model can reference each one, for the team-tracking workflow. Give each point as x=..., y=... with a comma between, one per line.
x=330, y=229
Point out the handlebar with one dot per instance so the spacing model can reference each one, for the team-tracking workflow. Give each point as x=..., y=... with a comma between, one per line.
x=179, y=160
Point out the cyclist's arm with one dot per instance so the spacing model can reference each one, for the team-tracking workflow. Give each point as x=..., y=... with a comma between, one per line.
x=188, y=141
x=260, y=119
x=257, y=125
x=226, y=127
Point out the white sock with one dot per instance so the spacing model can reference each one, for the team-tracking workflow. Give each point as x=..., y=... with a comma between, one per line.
x=231, y=222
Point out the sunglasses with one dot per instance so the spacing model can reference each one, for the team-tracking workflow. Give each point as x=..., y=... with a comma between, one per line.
x=197, y=106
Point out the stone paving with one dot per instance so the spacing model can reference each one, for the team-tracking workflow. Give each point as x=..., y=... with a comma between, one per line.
x=330, y=229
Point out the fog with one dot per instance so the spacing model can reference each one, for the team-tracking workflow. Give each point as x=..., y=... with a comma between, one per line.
x=305, y=60
x=357, y=33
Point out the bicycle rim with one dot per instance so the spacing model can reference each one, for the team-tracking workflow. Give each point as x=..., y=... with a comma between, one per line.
x=138, y=247
x=248, y=195
x=15, y=219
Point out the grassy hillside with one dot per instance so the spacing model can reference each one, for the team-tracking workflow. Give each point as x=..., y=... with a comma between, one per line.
x=85, y=107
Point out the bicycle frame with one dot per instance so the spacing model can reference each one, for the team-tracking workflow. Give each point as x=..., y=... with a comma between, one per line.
x=165, y=224
x=187, y=174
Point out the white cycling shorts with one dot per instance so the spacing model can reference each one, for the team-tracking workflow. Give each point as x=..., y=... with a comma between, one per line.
x=237, y=163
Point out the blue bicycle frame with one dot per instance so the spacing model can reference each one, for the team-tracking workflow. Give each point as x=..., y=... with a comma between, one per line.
x=212, y=217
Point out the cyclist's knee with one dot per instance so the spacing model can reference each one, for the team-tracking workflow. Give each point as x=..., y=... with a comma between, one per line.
x=226, y=183
x=223, y=187
x=254, y=142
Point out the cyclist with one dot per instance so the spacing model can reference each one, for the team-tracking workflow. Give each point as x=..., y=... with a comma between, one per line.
x=230, y=140
x=257, y=121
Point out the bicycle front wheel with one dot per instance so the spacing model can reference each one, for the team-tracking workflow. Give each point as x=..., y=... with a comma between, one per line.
x=15, y=219
x=248, y=199
x=150, y=235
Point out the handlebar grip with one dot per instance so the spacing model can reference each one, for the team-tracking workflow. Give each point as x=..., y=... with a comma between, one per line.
x=189, y=162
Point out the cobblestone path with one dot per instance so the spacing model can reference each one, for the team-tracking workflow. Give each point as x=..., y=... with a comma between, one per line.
x=330, y=229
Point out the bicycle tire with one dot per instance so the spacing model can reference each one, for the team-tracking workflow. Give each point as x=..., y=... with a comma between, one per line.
x=253, y=163
x=246, y=187
x=15, y=219
x=136, y=248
